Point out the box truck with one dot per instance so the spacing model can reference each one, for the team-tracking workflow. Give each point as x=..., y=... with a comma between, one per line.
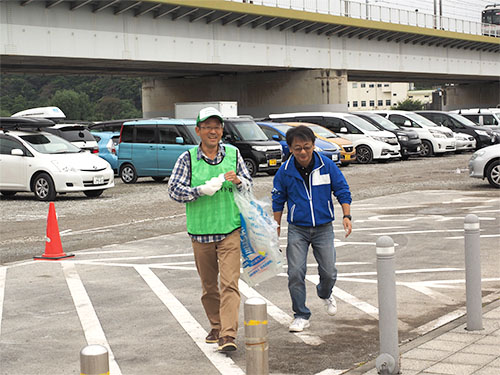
x=191, y=110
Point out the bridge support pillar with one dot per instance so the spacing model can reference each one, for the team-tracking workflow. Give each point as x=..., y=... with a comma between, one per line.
x=257, y=94
x=474, y=95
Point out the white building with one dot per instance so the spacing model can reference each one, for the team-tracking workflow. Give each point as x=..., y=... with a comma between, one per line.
x=376, y=95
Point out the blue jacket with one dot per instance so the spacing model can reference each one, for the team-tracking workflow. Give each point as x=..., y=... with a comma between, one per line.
x=311, y=207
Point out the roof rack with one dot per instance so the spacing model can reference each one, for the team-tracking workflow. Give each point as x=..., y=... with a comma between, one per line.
x=24, y=123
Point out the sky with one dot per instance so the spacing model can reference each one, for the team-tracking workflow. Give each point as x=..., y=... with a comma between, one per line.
x=461, y=9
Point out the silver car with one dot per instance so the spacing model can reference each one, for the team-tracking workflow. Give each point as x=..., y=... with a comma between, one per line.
x=485, y=163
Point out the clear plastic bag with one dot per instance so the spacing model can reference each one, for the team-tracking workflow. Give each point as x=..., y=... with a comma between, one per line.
x=261, y=257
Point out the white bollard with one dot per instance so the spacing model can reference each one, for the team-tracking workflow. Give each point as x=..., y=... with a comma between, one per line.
x=94, y=360
x=257, y=357
x=473, y=273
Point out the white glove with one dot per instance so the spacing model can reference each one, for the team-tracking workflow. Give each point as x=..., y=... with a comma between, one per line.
x=212, y=186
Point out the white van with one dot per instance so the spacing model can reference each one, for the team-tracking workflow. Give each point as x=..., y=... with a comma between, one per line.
x=481, y=116
x=370, y=142
x=435, y=139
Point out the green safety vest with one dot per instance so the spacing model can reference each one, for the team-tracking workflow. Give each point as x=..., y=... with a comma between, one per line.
x=216, y=214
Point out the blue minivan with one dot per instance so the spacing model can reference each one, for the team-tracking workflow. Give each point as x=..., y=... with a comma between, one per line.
x=150, y=148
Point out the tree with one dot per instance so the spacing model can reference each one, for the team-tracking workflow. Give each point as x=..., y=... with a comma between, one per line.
x=409, y=105
x=110, y=108
x=75, y=105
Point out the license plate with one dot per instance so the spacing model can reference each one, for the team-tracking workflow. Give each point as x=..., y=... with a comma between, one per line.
x=272, y=162
x=347, y=157
x=98, y=180
x=335, y=157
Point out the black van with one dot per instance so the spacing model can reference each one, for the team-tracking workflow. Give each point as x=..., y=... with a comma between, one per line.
x=260, y=154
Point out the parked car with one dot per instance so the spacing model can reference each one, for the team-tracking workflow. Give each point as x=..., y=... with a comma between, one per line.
x=259, y=153
x=408, y=139
x=150, y=148
x=276, y=131
x=464, y=142
x=347, y=149
x=109, y=126
x=480, y=116
x=108, y=147
x=370, y=142
x=483, y=135
x=41, y=162
x=77, y=134
x=485, y=163
x=435, y=139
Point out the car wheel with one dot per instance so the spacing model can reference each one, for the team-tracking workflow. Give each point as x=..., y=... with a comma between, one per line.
x=427, y=149
x=493, y=174
x=128, y=174
x=7, y=193
x=405, y=157
x=158, y=178
x=93, y=193
x=251, y=166
x=364, y=154
x=43, y=188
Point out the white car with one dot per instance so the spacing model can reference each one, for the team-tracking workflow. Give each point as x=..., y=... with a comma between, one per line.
x=465, y=142
x=33, y=160
x=435, y=139
x=481, y=116
x=370, y=142
x=485, y=163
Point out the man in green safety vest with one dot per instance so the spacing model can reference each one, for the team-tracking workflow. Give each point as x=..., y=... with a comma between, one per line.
x=204, y=178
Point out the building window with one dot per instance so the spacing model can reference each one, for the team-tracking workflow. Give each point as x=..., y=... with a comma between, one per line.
x=348, y=105
x=388, y=102
x=372, y=103
x=371, y=85
x=363, y=85
x=426, y=96
x=363, y=103
x=354, y=103
x=394, y=94
x=379, y=85
x=386, y=85
x=410, y=96
x=380, y=103
x=354, y=85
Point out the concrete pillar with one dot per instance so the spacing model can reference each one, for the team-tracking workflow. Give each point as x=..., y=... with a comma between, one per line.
x=257, y=94
x=474, y=95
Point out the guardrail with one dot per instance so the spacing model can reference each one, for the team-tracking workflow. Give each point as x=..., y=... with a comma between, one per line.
x=374, y=12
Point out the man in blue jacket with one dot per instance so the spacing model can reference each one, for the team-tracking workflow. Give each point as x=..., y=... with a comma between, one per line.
x=306, y=183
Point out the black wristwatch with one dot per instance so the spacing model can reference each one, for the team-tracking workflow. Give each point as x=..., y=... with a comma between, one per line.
x=348, y=217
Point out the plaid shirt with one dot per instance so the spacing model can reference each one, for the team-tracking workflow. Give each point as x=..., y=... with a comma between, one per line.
x=180, y=189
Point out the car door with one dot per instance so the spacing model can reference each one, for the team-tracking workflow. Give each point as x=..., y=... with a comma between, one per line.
x=270, y=133
x=13, y=168
x=168, y=148
x=145, y=150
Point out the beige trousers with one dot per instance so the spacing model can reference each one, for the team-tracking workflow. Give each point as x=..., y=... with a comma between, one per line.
x=220, y=298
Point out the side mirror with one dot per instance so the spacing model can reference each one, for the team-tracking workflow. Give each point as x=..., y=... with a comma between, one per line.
x=343, y=130
x=407, y=123
x=276, y=138
x=179, y=140
x=228, y=138
x=17, y=152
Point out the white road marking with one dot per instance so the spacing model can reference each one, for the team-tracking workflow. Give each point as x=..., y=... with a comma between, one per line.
x=144, y=257
x=223, y=364
x=441, y=297
x=401, y=272
x=481, y=235
x=104, y=252
x=279, y=315
x=91, y=325
x=418, y=232
x=329, y=371
x=3, y=276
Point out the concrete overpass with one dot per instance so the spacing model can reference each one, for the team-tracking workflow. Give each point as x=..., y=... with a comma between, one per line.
x=266, y=57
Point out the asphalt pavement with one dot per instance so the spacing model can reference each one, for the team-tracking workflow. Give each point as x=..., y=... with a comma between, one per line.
x=140, y=299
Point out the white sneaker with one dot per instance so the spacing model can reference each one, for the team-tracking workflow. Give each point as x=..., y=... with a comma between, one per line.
x=330, y=305
x=299, y=324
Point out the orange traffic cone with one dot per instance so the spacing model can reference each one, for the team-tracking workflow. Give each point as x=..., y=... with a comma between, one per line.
x=53, y=245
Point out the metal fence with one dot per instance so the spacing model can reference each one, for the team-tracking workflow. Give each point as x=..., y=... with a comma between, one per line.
x=374, y=12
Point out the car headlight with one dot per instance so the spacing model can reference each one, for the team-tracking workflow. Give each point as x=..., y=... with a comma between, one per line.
x=318, y=149
x=403, y=138
x=477, y=154
x=437, y=134
x=259, y=148
x=63, y=167
x=460, y=137
x=481, y=132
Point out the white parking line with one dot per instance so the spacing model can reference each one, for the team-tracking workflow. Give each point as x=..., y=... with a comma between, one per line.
x=91, y=325
x=279, y=315
x=223, y=364
x=104, y=252
x=418, y=232
x=3, y=275
x=482, y=236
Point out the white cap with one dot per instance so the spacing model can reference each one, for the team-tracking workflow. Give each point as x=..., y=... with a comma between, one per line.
x=207, y=113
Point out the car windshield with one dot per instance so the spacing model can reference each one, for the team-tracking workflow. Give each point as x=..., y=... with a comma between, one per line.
x=76, y=134
x=462, y=119
x=322, y=132
x=362, y=124
x=50, y=144
x=421, y=120
x=383, y=122
x=282, y=128
x=192, y=131
x=250, y=131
